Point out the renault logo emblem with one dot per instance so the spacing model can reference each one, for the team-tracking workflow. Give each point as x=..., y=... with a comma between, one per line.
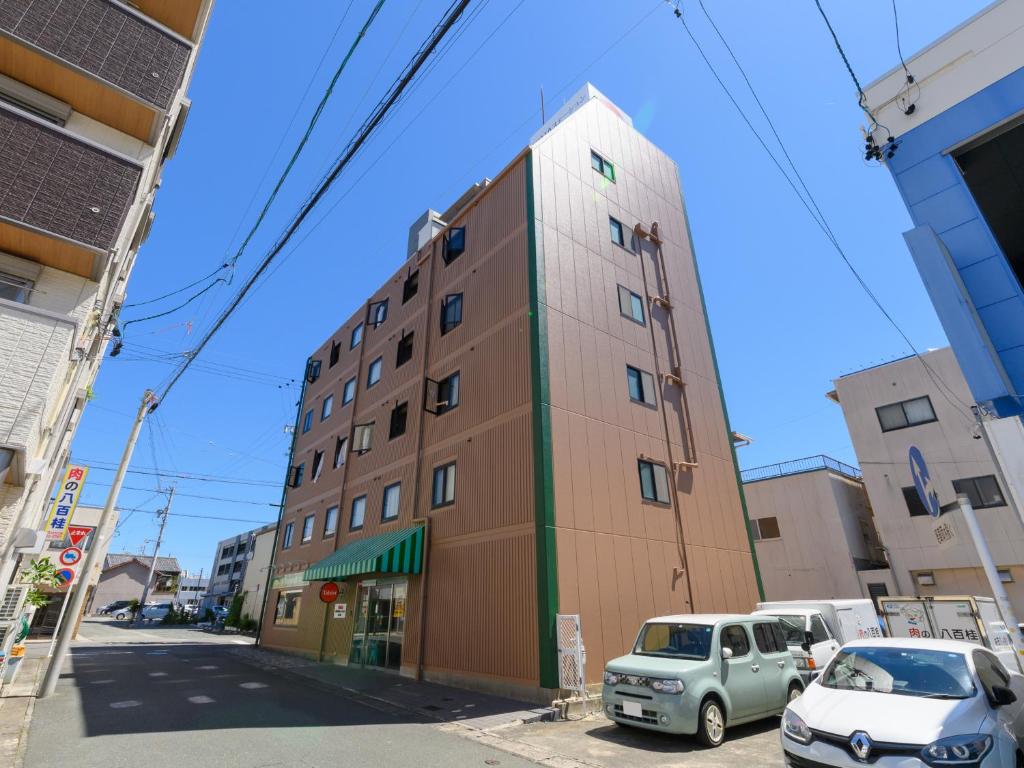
x=861, y=745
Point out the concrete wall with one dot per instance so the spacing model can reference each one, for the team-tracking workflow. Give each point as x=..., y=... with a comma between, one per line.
x=255, y=581
x=125, y=583
x=951, y=452
x=820, y=516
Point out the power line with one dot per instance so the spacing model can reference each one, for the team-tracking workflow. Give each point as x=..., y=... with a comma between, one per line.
x=194, y=495
x=98, y=465
x=196, y=517
x=813, y=206
x=438, y=34
x=174, y=293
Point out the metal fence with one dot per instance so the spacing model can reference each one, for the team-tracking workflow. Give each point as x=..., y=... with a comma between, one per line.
x=795, y=467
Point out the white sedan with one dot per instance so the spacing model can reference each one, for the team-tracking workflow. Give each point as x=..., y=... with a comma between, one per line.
x=900, y=702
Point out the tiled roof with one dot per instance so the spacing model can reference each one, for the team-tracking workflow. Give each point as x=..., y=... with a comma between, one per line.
x=163, y=564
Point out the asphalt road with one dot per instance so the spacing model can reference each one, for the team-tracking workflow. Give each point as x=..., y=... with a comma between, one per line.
x=167, y=697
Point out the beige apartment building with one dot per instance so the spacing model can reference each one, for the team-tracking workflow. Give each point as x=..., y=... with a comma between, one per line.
x=524, y=420
x=814, y=532
x=891, y=407
x=92, y=104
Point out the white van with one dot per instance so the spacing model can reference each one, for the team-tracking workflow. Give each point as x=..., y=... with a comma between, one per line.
x=815, y=629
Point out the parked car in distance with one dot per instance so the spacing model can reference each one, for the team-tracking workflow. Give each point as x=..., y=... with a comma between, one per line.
x=815, y=629
x=113, y=607
x=696, y=674
x=123, y=613
x=155, y=611
x=908, y=701
x=219, y=612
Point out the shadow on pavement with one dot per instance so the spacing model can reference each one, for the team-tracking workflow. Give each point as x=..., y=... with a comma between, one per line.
x=655, y=741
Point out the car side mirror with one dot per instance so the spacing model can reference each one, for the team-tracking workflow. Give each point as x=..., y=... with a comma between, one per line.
x=808, y=642
x=726, y=653
x=1002, y=696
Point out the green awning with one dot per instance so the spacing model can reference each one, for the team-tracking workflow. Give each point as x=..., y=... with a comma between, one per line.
x=398, y=551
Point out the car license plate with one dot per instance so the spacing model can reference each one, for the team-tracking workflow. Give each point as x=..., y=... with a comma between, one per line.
x=632, y=708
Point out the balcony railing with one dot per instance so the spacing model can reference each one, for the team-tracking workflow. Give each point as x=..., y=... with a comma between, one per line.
x=798, y=466
x=55, y=183
x=105, y=40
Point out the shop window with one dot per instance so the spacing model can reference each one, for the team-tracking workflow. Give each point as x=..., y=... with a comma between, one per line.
x=357, y=336
x=454, y=244
x=653, y=481
x=287, y=612
x=412, y=285
x=358, y=516
x=443, y=492
x=451, y=312
x=404, y=354
x=399, y=417
x=442, y=396
x=631, y=305
x=362, y=437
x=907, y=413
x=392, y=495
x=373, y=373
x=641, y=386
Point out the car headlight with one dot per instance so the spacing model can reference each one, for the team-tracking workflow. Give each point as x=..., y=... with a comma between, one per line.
x=801, y=662
x=668, y=686
x=611, y=678
x=957, y=750
x=795, y=728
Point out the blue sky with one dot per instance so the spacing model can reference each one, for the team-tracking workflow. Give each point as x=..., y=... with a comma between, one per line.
x=786, y=315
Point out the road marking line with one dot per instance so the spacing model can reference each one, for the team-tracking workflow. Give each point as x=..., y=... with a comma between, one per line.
x=125, y=704
x=200, y=699
x=208, y=666
x=252, y=685
x=101, y=682
x=158, y=674
x=241, y=642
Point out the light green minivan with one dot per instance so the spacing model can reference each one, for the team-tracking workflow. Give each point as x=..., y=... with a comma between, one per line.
x=696, y=674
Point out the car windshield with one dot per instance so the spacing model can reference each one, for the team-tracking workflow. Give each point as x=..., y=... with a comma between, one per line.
x=793, y=627
x=903, y=671
x=678, y=641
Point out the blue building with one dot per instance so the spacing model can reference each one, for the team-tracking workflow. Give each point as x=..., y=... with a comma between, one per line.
x=954, y=115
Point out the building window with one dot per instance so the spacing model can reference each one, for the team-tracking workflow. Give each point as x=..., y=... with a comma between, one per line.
x=331, y=521
x=224, y=568
x=765, y=528
x=227, y=552
x=355, y=522
x=404, y=354
x=297, y=473
x=641, y=386
x=362, y=437
x=982, y=491
x=373, y=373
x=1005, y=575
x=335, y=353
x=392, y=494
x=907, y=413
x=357, y=336
x=307, y=528
x=602, y=166
x=442, y=396
x=454, y=244
x=451, y=312
x=287, y=613
x=618, y=236
x=318, y=465
x=241, y=547
x=325, y=409
x=412, y=285
x=339, y=451
x=915, y=506
x=925, y=579
x=399, y=417
x=307, y=421
x=653, y=481
x=289, y=532
x=15, y=288
x=348, y=391
x=312, y=371
x=377, y=313
x=631, y=305
x=444, y=486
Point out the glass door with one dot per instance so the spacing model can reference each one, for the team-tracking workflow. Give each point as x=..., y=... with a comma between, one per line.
x=380, y=625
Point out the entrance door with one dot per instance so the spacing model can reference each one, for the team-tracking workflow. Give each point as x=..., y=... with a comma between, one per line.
x=380, y=625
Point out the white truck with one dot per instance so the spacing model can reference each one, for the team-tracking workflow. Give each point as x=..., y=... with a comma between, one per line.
x=973, y=619
x=815, y=629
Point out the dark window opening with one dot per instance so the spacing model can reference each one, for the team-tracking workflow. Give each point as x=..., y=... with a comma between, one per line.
x=915, y=506
x=377, y=313
x=412, y=285
x=404, y=354
x=297, y=473
x=335, y=354
x=602, y=166
x=653, y=481
x=443, y=489
x=617, y=232
x=318, y=465
x=641, y=386
x=441, y=396
x=451, y=312
x=982, y=491
x=307, y=421
x=339, y=451
x=399, y=417
x=454, y=244
x=312, y=371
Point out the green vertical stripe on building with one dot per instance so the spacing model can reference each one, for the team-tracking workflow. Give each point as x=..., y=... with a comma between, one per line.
x=544, y=501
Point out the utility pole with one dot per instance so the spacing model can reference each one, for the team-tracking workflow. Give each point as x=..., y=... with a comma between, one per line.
x=78, y=596
x=156, y=551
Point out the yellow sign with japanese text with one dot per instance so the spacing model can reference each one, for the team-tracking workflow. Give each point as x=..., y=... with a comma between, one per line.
x=64, y=505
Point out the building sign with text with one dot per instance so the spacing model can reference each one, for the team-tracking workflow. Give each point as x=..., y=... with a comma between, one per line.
x=64, y=504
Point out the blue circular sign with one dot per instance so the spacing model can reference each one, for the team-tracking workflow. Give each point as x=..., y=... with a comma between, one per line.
x=923, y=482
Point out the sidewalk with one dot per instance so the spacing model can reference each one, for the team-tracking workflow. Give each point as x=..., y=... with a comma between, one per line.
x=16, y=704
x=432, y=701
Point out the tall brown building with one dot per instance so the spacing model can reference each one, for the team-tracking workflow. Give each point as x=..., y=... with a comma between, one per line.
x=524, y=420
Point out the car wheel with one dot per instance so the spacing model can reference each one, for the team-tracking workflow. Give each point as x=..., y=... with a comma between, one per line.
x=794, y=693
x=711, y=726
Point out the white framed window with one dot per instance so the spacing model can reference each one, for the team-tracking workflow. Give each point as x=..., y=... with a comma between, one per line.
x=358, y=516
x=326, y=407
x=331, y=521
x=443, y=486
x=348, y=392
x=641, y=386
x=373, y=372
x=357, y=336
x=392, y=496
x=653, y=481
x=631, y=305
x=906, y=413
x=307, y=528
